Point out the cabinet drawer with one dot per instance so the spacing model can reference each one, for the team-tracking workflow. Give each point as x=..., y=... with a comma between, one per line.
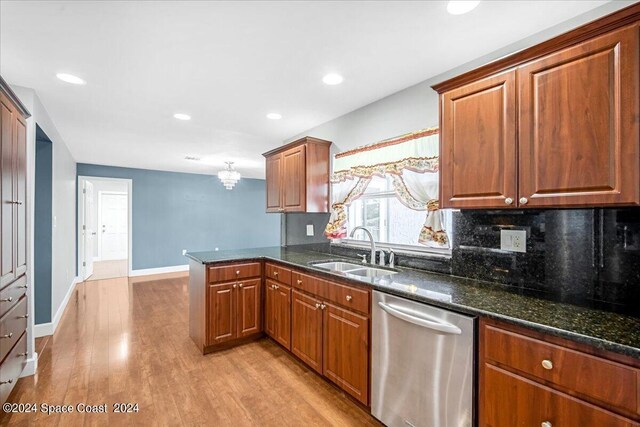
x=510, y=400
x=12, y=325
x=12, y=367
x=10, y=295
x=347, y=296
x=275, y=272
x=227, y=273
x=307, y=283
x=592, y=377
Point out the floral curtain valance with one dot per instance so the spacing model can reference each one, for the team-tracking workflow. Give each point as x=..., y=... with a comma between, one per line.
x=412, y=162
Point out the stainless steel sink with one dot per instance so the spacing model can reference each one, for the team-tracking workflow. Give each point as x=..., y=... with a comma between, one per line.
x=338, y=266
x=370, y=272
x=354, y=269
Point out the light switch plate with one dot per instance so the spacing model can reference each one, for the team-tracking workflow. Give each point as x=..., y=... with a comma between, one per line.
x=513, y=240
x=310, y=230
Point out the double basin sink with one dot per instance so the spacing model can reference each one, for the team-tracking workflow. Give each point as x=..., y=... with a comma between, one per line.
x=358, y=270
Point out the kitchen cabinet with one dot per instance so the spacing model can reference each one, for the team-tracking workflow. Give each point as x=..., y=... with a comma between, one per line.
x=278, y=312
x=529, y=378
x=555, y=125
x=226, y=309
x=297, y=176
x=333, y=341
x=14, y=304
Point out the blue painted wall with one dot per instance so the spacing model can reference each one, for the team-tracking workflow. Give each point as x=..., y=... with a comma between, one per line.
x=43, y=228
x=174, y=211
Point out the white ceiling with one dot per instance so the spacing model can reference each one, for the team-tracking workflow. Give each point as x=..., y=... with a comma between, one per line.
x=227, y=64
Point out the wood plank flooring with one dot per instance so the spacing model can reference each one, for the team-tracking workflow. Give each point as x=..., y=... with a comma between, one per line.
x=109, y=269
x=128, y=342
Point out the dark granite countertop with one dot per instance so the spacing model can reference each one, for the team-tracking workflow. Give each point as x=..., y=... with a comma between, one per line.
x=601, y=329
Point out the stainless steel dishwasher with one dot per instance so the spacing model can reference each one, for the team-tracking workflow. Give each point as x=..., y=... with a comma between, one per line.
x=422, y=372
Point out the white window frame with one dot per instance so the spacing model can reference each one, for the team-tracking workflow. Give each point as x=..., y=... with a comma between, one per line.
x=397, y=247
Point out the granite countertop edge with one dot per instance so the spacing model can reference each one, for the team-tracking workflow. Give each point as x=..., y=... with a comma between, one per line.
x=596, y=342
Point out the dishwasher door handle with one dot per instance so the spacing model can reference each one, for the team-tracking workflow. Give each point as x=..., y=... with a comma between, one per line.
x=447, y=328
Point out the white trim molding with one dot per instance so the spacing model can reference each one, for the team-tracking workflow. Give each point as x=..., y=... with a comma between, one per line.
x=160, y=270
x=45, y=329
x=31, y=367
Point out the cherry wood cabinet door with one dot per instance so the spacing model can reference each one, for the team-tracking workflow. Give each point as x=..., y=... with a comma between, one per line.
x=283, y=315
x=306, y=330
x=274, y=183
x=509, y=401
x=270, y=309
x=478, y=144
x=249, y=310
x=578, y=124
x=7, y=191
x=221, y=313
x=20, y=147
x=346, y=351
x=294, y=180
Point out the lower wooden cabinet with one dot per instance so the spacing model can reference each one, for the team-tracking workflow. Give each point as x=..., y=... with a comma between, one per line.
x=278, y=312
x=530, y=379
x=234, y=310
x=333, y=341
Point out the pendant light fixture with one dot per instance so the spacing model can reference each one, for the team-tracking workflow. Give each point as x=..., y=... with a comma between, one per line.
x=229, y=176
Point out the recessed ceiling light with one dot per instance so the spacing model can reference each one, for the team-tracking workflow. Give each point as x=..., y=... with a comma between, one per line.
x=70, y=78
x=182, y=116
x=459, y=7
x=332, y=79
x=274, y=116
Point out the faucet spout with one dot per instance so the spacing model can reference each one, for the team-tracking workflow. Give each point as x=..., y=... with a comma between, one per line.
x=370, y=236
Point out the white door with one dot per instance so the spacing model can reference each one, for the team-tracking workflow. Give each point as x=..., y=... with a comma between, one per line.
x=113, y=226
x=88, y=229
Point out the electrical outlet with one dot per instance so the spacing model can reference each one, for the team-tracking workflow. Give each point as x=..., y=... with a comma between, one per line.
x=513, y=240
x=184, y=252
x=310, y=230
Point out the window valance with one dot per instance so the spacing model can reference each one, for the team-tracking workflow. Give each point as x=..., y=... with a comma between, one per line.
x=411, y=161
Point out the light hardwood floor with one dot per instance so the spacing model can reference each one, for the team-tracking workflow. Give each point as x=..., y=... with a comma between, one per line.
x=128, y=342
x=109, y=269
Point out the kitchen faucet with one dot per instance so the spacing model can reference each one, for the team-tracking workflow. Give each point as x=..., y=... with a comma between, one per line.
x=373, y=244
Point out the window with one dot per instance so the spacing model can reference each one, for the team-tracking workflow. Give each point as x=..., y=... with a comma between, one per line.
x=391, y=223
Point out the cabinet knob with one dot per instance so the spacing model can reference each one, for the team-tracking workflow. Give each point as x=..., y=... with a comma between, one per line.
x=547, y=364
x=6, y=299
x=546, y=424
x=237, y=272
x=523, y=200
x=25, y=354
x=6, y=382
x=299, y=282
x=275, y=273
x=508, y=201
x=273, y=286
x=317, y=305
x=322, y=306
x=240, y=285
x=234, y=286
x=9, y=335
x=349, y=297
x=277, y=287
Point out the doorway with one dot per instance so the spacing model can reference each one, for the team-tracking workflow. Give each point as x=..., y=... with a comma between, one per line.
x=104, y=228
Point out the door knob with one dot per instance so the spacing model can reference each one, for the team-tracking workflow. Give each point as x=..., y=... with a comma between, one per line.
x=508, y=201
x=523, y=200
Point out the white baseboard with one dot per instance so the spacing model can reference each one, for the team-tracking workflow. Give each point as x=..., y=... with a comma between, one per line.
x=44, y=329
x=161, y=270
x=31, y=367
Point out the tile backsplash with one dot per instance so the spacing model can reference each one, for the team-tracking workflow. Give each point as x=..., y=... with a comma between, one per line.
x=582, y=256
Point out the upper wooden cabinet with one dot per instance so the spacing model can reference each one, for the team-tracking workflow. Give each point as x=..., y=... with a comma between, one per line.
x=556, y=125
x=297, y=176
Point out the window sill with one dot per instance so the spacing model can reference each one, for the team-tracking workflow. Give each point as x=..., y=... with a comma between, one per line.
x=441, y=254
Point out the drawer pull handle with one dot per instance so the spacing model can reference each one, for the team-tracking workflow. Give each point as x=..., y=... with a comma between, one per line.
x=9, y=335
x=6, y=382
x=545, y=424
x=6, y=299
x=25, y=354
x=547, y=364
x=24, y=286
x=26, y=316
x=299, y=282
x=349, y=297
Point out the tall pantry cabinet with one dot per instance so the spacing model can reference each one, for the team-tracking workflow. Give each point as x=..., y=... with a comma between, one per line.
x=13, y=247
